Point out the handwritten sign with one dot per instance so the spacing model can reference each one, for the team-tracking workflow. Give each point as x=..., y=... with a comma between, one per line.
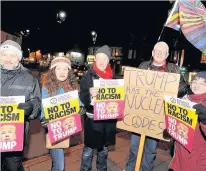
x=144, y=100
x=11, y=124
x=181, y=120
x=62, y=112
x=109, y=102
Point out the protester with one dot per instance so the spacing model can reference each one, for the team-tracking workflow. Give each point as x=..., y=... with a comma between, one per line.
x=97, y=134
x=184, y=160
x=59, y=80
x=158, y=63
x=17, y=81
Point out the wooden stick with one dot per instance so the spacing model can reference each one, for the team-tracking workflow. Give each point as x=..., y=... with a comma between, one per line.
x=140, y=153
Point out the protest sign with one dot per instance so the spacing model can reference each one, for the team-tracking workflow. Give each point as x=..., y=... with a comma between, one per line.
x=62, y=112
x=11, y=124
x=144, y=100
x=181, y=120
x=109, y=102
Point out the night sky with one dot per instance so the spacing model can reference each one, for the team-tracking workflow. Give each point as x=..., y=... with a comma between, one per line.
x=115, y=22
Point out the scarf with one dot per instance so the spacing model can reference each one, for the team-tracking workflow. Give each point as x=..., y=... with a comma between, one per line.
x=198, y=98
x=107, y=74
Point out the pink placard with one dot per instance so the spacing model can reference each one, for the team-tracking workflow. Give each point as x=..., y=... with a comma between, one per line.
x=106, y=110
x=62, y=129
x=11, y=137
x=180, y=132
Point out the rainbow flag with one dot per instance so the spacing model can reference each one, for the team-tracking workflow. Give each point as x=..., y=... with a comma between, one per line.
x=173, y=21
x=190, y=17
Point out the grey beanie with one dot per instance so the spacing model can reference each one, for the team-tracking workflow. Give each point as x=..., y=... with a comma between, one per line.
x=13, y=46
x=201, y=74
x=106, y=50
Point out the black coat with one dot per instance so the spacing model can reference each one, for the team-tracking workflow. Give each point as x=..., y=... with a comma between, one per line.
x=96, y=133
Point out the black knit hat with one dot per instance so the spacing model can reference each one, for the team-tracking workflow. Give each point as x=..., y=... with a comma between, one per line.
x=201, y=74
x=106, y=50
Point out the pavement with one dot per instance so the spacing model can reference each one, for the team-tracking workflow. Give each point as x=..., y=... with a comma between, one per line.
x=38, y=159
x=117, y=158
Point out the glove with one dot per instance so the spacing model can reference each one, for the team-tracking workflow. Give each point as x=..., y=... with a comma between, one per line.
x=201, y=111
x=44, y=123
x=166, y=135
x=82, y=111
x=27, y=107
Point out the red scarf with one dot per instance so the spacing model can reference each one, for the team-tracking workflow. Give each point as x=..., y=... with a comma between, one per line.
x=107, y=74
x=198, y=98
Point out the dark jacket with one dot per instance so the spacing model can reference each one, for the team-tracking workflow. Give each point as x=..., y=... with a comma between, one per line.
x=21, y=83
x=96, y=133
x=172, y=68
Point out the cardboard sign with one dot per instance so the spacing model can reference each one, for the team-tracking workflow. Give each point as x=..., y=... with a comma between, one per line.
x=62, y=112
x=11, y=124
x=109, y=102
x=144, y=100
x=181, y=120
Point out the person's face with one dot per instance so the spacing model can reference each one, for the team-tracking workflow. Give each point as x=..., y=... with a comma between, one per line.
x=198, y=86
x=61, y=72
x=102, y=61
x=112, y=108
x=7, y=134
x=182, y=131
x=9, y=60
x=69, y=123
x=160, y=53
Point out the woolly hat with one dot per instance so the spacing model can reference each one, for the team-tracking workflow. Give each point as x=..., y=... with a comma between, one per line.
x=13, y=46
x=201, y=74
x=60, y=61
x=106, y=50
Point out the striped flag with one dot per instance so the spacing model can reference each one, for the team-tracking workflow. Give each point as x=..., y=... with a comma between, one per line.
x=173, y=21
x=190, y=17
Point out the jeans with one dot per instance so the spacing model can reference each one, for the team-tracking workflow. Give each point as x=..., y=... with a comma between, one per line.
x=57, y=159
x=87, y=156
x=148, y=157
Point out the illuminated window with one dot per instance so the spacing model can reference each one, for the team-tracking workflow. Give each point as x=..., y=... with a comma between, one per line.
x=203, y=59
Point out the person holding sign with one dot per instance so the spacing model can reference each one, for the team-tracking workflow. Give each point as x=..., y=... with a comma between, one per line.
x=97, y=134
x=60, y=79
x=184, y=160
x=159, y=63
x=17, y=81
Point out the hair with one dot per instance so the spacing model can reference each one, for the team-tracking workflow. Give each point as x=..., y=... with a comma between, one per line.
x=52, y=84
x=197, y=78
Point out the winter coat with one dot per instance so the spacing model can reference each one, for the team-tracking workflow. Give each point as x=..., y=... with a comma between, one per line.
x=97, y=134
x=20, y=82
x=195, y=160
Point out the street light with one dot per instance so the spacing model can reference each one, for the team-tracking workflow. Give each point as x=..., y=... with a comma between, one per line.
x=94, y=36
x=61, y=16
x=29, y=51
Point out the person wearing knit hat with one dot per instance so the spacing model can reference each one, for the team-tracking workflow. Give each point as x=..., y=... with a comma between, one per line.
x=103, y=55
x=97, y=134
x=60, y=79
x=10, y=54
x=194, y=159
x=16, y=80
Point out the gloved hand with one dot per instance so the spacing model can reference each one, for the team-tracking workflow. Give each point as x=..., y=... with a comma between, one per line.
x=27, y=107
x=44, y=123
x=82, y=111
x=166, y=135
x=201, y=111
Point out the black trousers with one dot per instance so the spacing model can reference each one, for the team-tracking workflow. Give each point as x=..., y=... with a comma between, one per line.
x=12, y=161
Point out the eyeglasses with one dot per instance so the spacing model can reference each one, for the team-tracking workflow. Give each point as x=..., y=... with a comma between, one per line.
x=197, y=84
